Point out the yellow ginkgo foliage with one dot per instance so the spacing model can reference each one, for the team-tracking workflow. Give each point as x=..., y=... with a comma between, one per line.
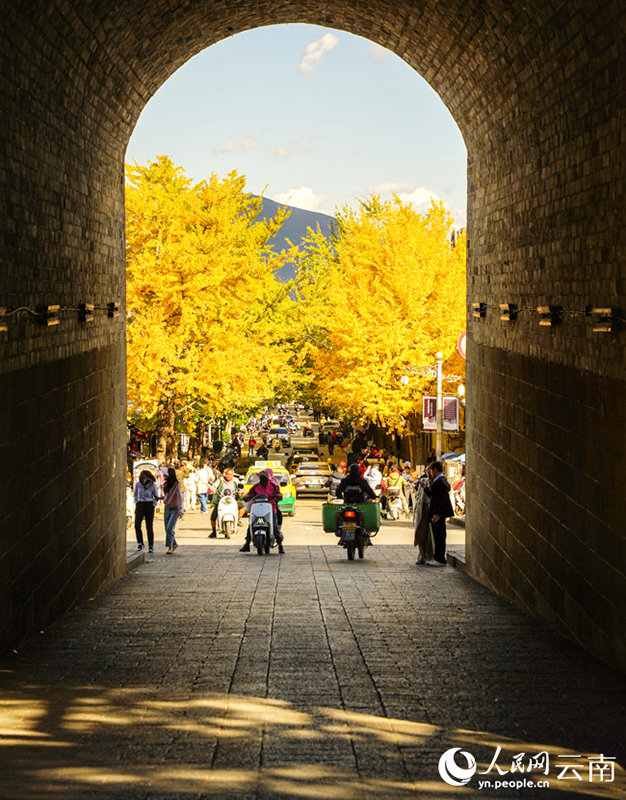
x=386, y=297
x=205, y=313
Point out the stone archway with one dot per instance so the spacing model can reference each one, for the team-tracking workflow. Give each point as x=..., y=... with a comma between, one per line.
x=537, y=91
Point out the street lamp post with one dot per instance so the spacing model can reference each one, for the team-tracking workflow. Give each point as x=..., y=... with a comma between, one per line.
x=439, y=357
x=436, y=372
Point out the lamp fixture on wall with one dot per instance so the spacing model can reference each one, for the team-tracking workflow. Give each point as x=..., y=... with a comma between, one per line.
x=49, y=315
x=604, y=320
x=85, y=312
x=508, y=312
x=479, y=310
x=549, y=315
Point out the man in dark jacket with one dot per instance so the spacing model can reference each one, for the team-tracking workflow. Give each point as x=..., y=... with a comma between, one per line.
x=353, y=488
x=439, y=510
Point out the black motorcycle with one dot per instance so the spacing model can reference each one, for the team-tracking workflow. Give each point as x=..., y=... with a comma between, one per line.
x=351, y=531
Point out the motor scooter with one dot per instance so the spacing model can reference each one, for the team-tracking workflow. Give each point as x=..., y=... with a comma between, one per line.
x=394, y=502
x=262, y=524
x=227, y=514
x=458, y=496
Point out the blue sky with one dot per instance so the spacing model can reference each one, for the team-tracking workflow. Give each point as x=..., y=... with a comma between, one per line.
x=311, y=116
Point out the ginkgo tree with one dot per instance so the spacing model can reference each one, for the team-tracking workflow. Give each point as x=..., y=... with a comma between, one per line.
x=384, y=295
x=206, y=316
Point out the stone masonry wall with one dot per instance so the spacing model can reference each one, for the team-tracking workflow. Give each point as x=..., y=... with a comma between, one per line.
x=537, y=89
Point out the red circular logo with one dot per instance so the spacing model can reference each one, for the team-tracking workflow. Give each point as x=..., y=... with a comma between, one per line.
x=460, y=345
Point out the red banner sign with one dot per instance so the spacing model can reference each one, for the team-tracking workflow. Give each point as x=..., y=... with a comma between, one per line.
x=429, y=413
x=451, y=414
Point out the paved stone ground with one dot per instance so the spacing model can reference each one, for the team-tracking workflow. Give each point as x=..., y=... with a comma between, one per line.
x=214, y=674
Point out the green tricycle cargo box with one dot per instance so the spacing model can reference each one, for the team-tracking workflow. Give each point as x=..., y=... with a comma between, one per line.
x=371, y=516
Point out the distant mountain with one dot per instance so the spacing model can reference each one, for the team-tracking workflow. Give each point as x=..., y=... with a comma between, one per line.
x=294, y=229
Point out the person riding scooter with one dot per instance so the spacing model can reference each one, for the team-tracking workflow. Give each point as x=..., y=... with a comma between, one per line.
x=271, y=489
x=395, y=481
x=263, y=453
x=226, y=482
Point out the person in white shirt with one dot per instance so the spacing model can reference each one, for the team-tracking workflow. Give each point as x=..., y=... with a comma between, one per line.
x=204, y=479
x=374, y=477
x=191, y=489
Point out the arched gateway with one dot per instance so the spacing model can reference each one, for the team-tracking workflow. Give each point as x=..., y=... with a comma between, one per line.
x=537, y=89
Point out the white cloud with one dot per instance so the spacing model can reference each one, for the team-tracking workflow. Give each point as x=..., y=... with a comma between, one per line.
x=389, y=187
x=418, y=197
x=460, y=217
x=245, y=141
x=304, y=197
x=242, y=142
x=377, y=53
x=314, y=53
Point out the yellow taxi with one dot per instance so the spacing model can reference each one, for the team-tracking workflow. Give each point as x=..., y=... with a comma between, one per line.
x=288, y=504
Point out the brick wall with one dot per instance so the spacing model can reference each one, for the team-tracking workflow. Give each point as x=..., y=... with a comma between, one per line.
x=537, y=89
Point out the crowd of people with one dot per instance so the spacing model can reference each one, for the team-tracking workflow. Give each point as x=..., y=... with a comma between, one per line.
x=182, y=485
x=427, y=496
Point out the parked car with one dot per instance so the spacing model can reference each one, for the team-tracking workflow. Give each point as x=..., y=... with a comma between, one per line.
x=310, y=478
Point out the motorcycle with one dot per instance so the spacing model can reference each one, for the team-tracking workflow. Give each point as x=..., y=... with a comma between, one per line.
x=307, y=432
x=351, y=530
x=458, y=497
x=262, y=524
x=228, y=460
x=394, y=502
x=277, y=444
x=227, y=514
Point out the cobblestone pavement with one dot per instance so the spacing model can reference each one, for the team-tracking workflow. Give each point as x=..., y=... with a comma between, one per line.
x=214, y=674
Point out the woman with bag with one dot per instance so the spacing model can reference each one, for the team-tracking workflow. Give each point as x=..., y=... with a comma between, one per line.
x=146, y=497
x=174, y=508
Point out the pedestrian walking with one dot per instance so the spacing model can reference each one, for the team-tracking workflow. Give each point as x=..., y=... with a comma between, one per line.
x=331, y=438
x=335, y=479
x=251, y=445
x=204, y=479
x=146, y=496
x=374, y=477
x=174, y=508
x=191, y=489
x=439, y=510
x=410, y=479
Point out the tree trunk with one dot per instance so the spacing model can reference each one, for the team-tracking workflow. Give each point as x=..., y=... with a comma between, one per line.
x=166, y=446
